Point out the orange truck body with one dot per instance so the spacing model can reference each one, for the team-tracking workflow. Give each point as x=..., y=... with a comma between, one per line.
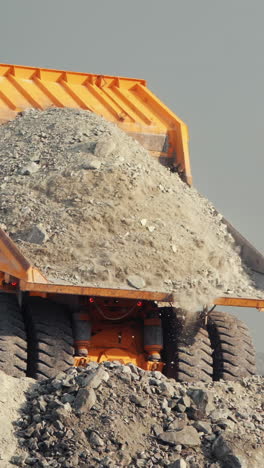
x=135, y=109
x=125, y=101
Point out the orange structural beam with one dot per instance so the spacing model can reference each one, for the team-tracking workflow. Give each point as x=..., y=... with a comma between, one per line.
x=13, y=262
x=125, y=101
x=240, y=302
x=51, y=288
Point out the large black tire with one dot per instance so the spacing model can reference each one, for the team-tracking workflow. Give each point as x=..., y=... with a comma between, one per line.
x=13, y=343
x=50, y=341
x=233, y=350
x=187, y=348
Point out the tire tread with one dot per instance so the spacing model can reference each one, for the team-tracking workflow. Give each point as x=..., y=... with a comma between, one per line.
x=50, y=338
x=233, y=352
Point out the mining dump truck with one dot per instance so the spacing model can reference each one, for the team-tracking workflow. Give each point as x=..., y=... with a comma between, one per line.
x=47, y=327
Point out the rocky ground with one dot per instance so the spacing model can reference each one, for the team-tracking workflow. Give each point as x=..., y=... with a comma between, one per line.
x=88, y=205
x=112, y=416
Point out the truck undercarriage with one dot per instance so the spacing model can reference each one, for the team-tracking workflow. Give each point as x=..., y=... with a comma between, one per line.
x=43, y=336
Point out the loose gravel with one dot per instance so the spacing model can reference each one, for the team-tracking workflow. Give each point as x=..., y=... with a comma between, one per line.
x=113, y=416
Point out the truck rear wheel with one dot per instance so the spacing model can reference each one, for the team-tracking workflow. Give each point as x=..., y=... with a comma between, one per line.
x=233, y=350
x=187, y=348
x=13, y=344
x=50, y=341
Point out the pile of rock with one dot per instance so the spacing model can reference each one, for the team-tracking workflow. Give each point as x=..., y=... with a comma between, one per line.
x=88, y=205
x=110, y=415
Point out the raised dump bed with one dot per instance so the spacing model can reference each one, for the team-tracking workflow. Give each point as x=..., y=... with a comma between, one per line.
x=125, y=101
x=46, y=327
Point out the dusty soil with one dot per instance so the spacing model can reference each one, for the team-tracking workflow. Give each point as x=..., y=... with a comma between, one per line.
x=88, y=205
x=12, y=398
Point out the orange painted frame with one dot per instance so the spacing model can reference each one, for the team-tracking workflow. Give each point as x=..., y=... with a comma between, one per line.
x=125, y=101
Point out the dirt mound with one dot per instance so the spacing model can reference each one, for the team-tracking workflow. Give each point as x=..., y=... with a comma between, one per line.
x=12, y=398
x=88, y=205
x=111, y=415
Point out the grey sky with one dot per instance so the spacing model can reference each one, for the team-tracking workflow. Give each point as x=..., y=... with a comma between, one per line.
x=204, y=58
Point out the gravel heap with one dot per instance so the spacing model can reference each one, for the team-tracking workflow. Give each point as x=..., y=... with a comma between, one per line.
x=12, y=399
x=88, y=205
x=113, y=416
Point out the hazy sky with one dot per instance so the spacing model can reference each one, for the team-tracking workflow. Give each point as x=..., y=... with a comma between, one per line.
x=203, y=58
